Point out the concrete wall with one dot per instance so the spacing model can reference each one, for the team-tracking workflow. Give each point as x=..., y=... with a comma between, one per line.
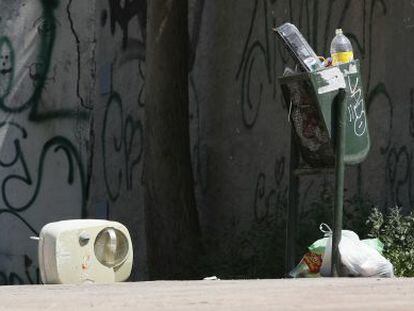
x=72, y=122
x=118, y=119
x=46, y=99
x=243, y=142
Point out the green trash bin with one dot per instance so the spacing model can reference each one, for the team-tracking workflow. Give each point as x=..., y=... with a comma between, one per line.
x=329, y=121
x=310, y=97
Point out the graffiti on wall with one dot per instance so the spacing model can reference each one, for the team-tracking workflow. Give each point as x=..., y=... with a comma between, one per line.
x=126, y=140
x=36, y=148
x=262, y=59
x=255, y=64
x=122, y=145
x=129, y=17
x=28, y=109
x=121, y=14
x=31, y=275
x=271, y=199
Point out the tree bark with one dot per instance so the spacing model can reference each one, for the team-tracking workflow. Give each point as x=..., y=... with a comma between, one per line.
x=171, y=218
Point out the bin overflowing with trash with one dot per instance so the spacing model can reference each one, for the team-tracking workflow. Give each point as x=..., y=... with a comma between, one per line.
x=326, y=108
x=309, y=91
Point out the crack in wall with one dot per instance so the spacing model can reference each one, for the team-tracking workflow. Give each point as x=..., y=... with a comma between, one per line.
x=78, y=54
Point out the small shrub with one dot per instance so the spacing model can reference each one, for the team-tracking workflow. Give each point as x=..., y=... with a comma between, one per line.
x=396, y=231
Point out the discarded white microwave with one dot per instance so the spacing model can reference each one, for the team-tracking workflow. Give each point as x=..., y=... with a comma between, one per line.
x=84, y=251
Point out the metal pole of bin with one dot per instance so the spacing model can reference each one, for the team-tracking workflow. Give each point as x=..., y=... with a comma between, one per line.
x=292, y=211
x=339, y=144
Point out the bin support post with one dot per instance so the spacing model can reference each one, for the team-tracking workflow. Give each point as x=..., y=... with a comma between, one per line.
x=339, y=144
x=292, y=210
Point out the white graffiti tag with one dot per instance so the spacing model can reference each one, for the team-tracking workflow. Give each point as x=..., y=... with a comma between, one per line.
x=356, y=108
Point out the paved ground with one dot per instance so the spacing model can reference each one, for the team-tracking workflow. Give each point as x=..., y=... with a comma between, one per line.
x=256, y=295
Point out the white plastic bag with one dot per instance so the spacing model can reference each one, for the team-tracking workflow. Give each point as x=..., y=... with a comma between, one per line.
x=357, y=257
x=362, y=260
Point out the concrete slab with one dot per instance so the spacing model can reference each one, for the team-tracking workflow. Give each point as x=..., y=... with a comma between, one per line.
x=304, y=294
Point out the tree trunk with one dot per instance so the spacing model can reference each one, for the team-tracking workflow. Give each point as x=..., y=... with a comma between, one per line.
x=172, y=225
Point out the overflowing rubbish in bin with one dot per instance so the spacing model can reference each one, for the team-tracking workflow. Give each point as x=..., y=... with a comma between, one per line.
x=326, y=108
x=341, y=49
x=359, y=258
x=309, y=92
x=315, y=145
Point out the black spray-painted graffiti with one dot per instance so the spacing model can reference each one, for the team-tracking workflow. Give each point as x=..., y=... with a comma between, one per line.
x=269, y=199
x=122, y=12
x=31, y=274
x=399, y=176
x=25, y=180
x=262, y=54
x=255, y=64
x=121, y=135
x=45, y=28
x=6, y=67
x=21, y=90
x=411, y=126
x=27, y=184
